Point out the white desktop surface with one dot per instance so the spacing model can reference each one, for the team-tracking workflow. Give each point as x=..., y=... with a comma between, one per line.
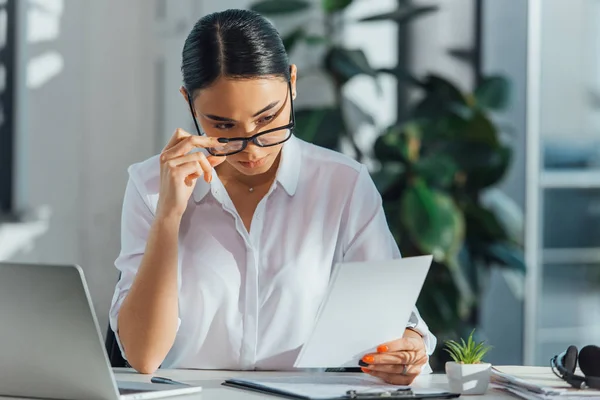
x=213, y=390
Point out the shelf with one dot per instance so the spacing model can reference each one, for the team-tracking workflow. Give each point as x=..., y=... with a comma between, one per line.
x=575, y=179
x=570, y=256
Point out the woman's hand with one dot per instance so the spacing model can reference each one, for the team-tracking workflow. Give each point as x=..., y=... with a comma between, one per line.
x=398, y=362
x=180, y=170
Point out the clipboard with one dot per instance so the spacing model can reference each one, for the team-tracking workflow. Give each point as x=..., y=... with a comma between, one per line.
x=390, y=394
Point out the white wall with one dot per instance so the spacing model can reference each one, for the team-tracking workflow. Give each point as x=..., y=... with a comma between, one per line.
x=434, y=34
x=570, y=77
x=85, y=127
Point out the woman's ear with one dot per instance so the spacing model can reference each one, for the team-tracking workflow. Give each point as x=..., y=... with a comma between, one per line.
x=293, y=78
x=186, y=97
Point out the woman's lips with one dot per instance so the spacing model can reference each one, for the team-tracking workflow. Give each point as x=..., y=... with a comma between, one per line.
x=253, y=164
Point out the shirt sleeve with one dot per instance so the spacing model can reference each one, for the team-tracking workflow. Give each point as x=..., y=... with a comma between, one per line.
x=366, y=236
x=136, y=221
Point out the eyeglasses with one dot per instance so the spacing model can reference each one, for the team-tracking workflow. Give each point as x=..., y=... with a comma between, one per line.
x=270, y=137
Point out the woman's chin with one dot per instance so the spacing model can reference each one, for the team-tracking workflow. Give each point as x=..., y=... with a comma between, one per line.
x=254, y=167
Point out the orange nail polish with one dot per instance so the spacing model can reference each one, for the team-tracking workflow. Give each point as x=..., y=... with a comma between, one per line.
x=369, y=359
x=383, y=349
x=366, y=371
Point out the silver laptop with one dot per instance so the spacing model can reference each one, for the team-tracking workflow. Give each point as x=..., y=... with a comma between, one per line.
x=50, y=341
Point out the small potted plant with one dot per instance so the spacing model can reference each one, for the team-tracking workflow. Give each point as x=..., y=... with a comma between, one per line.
x=468, y=374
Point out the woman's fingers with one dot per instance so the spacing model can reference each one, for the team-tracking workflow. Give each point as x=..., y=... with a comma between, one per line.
x=197, y=157
x=188, y=144
x=394, y=357
x=177, y=136
x=392, y=378
x=216, y=160
x=411, y=369
x=187, y=172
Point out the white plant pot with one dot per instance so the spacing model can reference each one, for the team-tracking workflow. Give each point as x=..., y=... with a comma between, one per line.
x=468, y=378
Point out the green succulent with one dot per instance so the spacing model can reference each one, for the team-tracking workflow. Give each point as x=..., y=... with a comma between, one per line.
x=469, y=352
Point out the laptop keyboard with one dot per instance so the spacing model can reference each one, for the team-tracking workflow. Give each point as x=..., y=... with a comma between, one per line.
x=132, y=391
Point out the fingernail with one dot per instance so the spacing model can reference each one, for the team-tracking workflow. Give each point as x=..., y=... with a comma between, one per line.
x=369, y=359
x=209, y=178
x=383, y=349
x=366, y=371
x=362, y=363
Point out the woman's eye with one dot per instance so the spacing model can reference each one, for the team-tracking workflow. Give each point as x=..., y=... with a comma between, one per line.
x=267, y=119
x=224, y=126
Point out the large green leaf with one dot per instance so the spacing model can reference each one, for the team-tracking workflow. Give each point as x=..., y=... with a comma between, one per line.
x=432, y=220
x=480, y=129
x=335, y=5
x=493, y=92
x=441, y=97
x=280, y=7
x=439, y=300
x=345, y=64
x=464, y=286
x=442, y=128
x=402, y=14
x=506, y=254
x=321, y=126
x=293, y=38
x=494, y=163
x=483, y=165
x=482, y=224
x=391, y=146
x=438, y=170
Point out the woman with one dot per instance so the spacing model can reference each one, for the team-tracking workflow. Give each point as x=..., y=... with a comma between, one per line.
x=229, y=235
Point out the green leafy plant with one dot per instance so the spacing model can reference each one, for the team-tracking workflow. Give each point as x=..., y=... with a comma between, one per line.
x=434, y=170
x=467, y=353
x=434, y=167
x=328, y=126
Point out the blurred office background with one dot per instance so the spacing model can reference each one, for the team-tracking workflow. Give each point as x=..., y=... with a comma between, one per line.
x=89, y=87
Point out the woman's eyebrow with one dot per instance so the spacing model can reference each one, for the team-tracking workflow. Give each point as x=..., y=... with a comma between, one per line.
x=256, y=114
x=267, y=108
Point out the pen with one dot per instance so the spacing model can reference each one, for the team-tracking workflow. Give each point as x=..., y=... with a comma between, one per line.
x=160, y=379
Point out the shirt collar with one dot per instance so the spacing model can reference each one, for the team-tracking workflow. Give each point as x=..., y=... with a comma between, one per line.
x=288, y=172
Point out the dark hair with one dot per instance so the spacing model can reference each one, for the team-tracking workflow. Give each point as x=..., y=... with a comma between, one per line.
x=238, y=44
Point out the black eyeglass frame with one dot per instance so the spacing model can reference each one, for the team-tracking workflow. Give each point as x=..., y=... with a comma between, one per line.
x=252, y=138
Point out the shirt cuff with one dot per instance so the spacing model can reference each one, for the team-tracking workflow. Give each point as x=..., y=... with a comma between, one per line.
x=417, y=324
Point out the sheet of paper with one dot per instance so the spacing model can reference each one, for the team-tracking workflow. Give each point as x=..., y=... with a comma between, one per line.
x=367, y=304
x=325, y=386
x=536, y=382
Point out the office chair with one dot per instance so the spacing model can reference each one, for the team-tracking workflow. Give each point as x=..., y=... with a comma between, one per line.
x=112, y=347
x=113, y=351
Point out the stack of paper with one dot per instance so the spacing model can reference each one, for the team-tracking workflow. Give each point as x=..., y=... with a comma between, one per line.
x=536, y=383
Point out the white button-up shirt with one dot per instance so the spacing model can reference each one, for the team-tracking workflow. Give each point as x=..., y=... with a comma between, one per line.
x=248, y=300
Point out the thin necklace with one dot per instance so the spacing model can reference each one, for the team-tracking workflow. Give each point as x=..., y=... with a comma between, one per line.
x=250, y=189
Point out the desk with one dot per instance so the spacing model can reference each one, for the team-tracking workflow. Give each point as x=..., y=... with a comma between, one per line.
x=213, y=390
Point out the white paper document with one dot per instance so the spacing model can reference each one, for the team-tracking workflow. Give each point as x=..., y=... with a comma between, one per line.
x=536, y=383
x=367, y=304
x=324, y=386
